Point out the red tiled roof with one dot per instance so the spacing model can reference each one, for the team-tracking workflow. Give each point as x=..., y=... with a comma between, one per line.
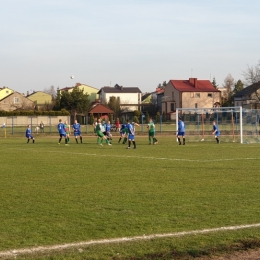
x=193, y=85
x=101, y=109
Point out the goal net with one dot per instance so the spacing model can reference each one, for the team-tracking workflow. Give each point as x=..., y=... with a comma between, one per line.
x=235, y=124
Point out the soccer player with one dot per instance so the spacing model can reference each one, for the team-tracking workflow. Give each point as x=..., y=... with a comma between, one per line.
x=131, y=133
x=77, y=132
x=123, y=133
x=28, y=134
x=216, y=131
x=62, y=132
x=151, y=132
x=108, y=131
x=181, y=131
x=100, y=135
x=67, y=130
x=103, y=127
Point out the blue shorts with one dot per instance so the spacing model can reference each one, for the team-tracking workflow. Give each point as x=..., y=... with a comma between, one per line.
x=131, y=137
x=29, y=136
x=217, y=134
x=181, y=133
x=63, y=134
x=77, y=133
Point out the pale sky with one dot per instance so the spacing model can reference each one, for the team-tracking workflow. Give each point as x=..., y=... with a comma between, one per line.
x=134, y=43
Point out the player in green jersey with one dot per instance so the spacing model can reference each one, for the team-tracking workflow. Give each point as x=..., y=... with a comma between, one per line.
x=100, y=135
x=67, y=130
x=151, y=132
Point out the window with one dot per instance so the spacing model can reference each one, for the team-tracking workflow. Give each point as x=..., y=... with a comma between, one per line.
x=192, y=94
x=196, y=105
x=16, y=100
x=210, y=95
x=7, y=92
x=197, y=95
x=172, y=107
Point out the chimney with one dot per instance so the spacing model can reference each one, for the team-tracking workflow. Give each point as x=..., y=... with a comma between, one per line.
x=27, y=93
x=193, y=82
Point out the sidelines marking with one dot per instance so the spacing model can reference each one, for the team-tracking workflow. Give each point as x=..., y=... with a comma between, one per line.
x=13, y=253
x=145, y=157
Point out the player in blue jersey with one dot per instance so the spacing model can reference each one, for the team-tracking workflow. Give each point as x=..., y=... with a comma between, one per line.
x=181, y=131
x=108, y=131
x=62, y=132
x=216, y=131
x=77, y=132
x=28, y=134
x=123, y=133
x=131, y=133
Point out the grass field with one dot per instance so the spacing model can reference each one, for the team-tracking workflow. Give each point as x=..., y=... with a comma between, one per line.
x=55, y=194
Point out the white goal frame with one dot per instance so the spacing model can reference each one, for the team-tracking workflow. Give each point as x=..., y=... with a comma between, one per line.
x=246, y=131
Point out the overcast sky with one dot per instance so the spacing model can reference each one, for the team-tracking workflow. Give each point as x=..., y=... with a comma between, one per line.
x=135, y=43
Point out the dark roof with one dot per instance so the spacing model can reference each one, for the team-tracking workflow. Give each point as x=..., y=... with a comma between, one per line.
x=248, y=91
x=66, y=88
x=193, y=85
x=120, y=89
x=146, y=95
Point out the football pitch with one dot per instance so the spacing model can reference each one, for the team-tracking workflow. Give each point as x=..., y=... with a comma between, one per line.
x=86, y=201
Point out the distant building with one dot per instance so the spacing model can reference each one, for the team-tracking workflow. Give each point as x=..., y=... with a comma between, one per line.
x=91, y=91
x=5, y=91
x=40, y=99
x=16, y=101
x=192, y=93
x=130, y=97
x=248, y=97
x=99, y=110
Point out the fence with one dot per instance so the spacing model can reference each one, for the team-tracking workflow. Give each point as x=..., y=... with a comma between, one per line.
x=17, y=125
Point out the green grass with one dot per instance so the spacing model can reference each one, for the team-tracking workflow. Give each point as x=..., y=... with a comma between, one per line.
x=52, y=194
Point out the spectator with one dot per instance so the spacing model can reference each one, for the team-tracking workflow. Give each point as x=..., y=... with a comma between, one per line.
x=42, y=127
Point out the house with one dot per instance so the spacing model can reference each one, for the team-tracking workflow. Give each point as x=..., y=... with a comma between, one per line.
x=16, y=101
x=192, y=93
x=159, y=96
x=150, y=102
x=91, y=91
x=40, y=99
x=248, y=97
x=4, y=92
x=99, y=110
x=130, y=97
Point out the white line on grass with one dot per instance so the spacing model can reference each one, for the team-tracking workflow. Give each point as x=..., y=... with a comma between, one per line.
x=42, y=249
x=147, y=157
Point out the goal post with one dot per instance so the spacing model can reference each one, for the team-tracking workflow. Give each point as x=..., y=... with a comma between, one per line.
x=235, y=123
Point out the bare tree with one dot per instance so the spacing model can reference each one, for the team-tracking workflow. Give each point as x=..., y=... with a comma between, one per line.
x=51, y=90
x=252, y=74
x=252, y=78
x=229, y=83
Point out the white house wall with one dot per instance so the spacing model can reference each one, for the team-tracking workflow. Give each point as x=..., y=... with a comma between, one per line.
x=125, y=98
